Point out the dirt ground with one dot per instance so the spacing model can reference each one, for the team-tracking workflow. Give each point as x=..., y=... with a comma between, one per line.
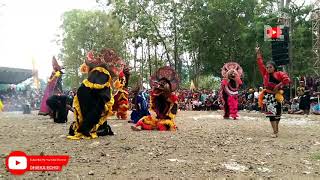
x=205, y=147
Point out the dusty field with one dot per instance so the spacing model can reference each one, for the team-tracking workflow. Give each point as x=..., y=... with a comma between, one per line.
x=204, y=147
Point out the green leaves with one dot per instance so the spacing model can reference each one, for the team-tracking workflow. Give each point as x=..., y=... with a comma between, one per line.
x=84, y=31
x=195, y=36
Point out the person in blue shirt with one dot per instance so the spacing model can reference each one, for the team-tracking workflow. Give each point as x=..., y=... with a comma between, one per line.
x=140, y=105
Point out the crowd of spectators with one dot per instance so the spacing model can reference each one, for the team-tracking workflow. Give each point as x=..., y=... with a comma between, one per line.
x=189, y=100
x=204, y=100
x=16, y=99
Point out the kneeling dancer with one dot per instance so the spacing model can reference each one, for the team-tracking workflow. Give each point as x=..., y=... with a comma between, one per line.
x=163, y=102
x=93, y=101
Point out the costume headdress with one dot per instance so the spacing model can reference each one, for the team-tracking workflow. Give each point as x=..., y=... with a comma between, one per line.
x=107, y=58
x=229, y=67
x=169, y=74
x=55, y=64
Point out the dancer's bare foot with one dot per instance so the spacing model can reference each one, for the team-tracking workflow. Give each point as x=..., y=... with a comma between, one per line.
x=136, y=128
x=274, y=135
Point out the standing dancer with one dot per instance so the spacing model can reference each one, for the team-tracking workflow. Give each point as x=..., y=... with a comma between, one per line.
x=230, y=84
x=271, y=97
x=163, y=102
x=54, y=87
x=121, y=102
x=93, y=101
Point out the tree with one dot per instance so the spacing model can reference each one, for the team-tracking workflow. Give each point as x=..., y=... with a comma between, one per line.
x=82, y=32
x=198, y=37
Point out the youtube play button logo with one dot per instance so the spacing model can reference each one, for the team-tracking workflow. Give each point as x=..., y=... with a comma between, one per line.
x=17, y=162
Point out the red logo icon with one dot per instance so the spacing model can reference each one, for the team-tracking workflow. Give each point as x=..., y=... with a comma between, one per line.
x=18, y=163
x=274, y=32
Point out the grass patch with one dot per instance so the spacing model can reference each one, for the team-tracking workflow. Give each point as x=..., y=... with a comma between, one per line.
x=316, y=156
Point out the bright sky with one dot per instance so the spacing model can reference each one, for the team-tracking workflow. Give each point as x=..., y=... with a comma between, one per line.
x=28, y=29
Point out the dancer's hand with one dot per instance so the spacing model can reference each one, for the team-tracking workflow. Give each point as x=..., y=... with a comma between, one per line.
x=277, y=87
x=257, y=50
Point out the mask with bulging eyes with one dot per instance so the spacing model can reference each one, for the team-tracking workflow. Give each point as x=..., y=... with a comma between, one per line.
x=232, y=74
x=162, y=87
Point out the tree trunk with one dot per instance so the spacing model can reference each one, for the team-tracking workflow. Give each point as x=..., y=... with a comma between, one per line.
x=141, y=63
x=175, y=38
x=155, y=57
x=188, y=68
x=135, y=52
x=149, y=58
x=135, y=57
x=158, y=34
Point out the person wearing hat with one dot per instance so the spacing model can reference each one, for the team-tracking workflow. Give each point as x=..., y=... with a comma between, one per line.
x=54, y=87
x=271, y=98
x=93, y=101
x=163, y=102
x=121, y=102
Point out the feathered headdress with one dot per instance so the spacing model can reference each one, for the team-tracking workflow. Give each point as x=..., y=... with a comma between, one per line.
x=107, y=58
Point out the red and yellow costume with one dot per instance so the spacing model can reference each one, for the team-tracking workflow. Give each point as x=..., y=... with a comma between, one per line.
x=269, y=99
x=163, y=102
x=230, y=84
x=121, y=103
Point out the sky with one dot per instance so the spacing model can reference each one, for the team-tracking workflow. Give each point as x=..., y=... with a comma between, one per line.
x=28, y=30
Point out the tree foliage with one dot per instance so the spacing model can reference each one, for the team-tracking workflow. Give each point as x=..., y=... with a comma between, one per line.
x=84, y=31
x=196, y=37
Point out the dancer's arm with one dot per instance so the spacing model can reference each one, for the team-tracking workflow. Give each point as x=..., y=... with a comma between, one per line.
x=261, y=66
x=284, y=78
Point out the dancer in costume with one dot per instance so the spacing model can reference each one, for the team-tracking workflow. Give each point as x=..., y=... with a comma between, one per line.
x=93, y=101
x=121, y=102
x=271, y=98
x=163, y=102
x=54, y=87
x=140, y=107
x=60, y=105
x=230, y=84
